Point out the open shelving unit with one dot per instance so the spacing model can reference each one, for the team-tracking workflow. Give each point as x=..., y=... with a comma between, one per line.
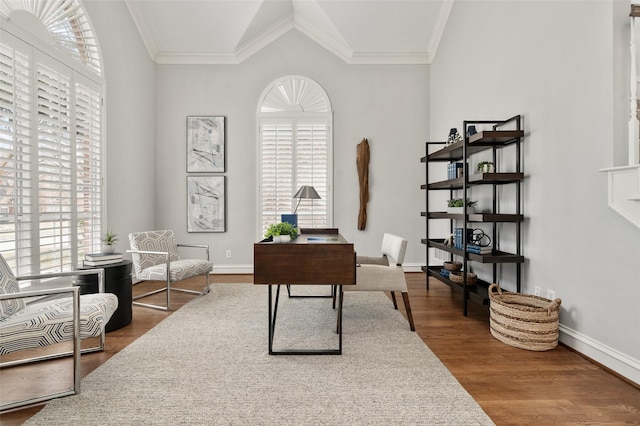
x=501, y=134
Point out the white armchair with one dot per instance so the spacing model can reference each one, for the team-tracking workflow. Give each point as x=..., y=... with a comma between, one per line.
x=50, y=321
x=155, y=257
x=384, y=273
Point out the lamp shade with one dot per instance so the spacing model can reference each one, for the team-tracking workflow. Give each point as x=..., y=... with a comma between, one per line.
x=307, y=192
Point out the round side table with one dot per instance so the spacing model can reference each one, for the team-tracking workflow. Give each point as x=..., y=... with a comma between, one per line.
x=117, y=280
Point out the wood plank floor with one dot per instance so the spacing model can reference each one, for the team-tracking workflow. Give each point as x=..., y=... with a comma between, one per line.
x=513, y=386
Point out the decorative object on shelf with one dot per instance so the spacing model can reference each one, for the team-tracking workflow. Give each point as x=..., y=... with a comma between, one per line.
x=206, y=204
x=479, y=238
x=458, y=277
x=524, y=321
x=108, y=242
x=362, y=162
x=282, y=232
x=486, y=167
x=456, y=205
x=458, y=242
x=205, y=144
x=454, y=136
x=452, y=266
x=471, y=130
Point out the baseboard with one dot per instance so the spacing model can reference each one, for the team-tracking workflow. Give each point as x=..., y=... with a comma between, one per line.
x=248, y=269
x=232, y=269
x=622, y=364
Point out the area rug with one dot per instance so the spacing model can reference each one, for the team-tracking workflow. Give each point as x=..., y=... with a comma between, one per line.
x=208, y=364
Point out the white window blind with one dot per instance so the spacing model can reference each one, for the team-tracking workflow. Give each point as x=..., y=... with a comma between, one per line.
x=294, y=153
x=50, y=153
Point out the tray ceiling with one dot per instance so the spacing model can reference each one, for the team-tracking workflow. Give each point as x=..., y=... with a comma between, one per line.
x=230, y=31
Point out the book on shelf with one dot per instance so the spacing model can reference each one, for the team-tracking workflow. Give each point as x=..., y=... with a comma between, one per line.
x=479, y=250
x=101, y=262
x=102, y=256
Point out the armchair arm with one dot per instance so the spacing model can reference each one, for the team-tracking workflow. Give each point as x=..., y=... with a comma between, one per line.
x=203, y=246
x=98, y=271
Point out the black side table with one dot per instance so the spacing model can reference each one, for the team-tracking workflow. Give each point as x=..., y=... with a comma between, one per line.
x=117, y=280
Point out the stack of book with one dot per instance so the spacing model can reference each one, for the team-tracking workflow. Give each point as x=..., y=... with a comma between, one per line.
x=475, y=249
x=100, y=259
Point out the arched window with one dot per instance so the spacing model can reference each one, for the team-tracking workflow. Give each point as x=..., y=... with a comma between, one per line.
x=295, y=149
x=51, y=125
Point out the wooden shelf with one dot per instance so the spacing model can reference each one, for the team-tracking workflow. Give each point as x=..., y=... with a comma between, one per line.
x=478, y=292
x=496, y=257
x=475, y=217
x=479, y=142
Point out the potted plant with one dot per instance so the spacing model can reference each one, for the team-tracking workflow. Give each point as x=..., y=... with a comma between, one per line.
x=486, y=167
x=281, y=232
x=456, y=205
x=108, y=242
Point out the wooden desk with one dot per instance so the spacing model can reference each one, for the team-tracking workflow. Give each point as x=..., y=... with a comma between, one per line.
x=311, y=259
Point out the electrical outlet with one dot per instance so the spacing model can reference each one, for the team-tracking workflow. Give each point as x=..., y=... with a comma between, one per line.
x=551, y=294
x=228, y=254
x=537, y=291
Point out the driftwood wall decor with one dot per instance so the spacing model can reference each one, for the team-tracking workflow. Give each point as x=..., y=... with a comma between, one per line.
x=362, y=162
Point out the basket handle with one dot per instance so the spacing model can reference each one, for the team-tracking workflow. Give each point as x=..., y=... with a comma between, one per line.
x=555, y=304
x=494, y=286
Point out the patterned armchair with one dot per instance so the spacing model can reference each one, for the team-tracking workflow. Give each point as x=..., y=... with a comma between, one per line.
x=155, y=257
x=29, y=323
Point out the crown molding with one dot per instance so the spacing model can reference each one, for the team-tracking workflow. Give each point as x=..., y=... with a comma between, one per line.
x=143, y=30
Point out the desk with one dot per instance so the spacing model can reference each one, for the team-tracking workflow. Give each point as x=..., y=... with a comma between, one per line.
x=311, y=259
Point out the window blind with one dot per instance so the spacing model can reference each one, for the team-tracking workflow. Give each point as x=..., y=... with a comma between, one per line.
x=294, y=152
x=50, y=161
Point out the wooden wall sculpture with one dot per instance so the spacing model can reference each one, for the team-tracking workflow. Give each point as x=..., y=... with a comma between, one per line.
x=362, y=162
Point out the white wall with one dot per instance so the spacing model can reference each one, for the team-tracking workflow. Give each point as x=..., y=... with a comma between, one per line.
x=387, y=104
x=130, y=120
x=553, y=63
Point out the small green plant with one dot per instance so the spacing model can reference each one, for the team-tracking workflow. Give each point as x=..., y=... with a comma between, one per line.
x=484, y=163
x=109, y=238
x=282, y=228
x=458, y=202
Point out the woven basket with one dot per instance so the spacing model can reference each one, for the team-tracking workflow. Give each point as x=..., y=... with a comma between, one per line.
x=458, y=278
x=452, y=266
x=522, y=320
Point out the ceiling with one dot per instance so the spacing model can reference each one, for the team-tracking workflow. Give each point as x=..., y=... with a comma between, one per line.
x=230, y=31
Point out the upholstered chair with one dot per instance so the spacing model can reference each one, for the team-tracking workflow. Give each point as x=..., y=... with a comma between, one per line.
x=384, y=272
x=156, y=257
x=35, y=319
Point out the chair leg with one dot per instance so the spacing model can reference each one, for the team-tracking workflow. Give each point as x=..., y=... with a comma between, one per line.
x=208, y=283
x=407, y=307
x=393, y=297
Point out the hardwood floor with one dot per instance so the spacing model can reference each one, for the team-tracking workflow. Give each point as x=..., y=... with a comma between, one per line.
x=513, y=386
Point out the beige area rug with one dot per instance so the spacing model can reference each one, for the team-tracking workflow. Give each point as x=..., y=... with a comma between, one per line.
x=208, y=364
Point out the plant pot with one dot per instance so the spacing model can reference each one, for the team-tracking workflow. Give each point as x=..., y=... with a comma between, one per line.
x=460, y=210
x=488, y=168
x=281, y=238
x=108, y=248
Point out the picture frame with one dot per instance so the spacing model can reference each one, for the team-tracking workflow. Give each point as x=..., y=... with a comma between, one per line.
x=205, y=144
x=206, y=204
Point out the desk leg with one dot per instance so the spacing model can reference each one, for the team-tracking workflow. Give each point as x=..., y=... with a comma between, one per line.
x=273, y=311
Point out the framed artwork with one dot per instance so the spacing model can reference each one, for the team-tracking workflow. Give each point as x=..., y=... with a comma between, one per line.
x=206, y=204
x=205, y=144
